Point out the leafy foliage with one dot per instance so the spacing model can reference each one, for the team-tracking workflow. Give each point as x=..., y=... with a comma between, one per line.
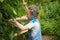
x=49, y=17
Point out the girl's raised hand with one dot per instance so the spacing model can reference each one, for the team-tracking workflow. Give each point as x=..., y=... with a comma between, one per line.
x=11, y=21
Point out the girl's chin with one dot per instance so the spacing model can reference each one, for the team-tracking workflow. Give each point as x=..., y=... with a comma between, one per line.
x=29, y=18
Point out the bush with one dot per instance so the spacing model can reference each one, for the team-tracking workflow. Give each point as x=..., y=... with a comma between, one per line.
x=49, y=17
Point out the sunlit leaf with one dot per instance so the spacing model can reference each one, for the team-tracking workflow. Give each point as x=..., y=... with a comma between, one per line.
x=1, y=0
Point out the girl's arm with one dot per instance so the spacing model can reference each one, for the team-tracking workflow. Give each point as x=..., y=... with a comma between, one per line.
x=20, y=25
x=22, y=18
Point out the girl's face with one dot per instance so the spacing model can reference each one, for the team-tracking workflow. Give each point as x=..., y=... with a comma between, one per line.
x=29, y=15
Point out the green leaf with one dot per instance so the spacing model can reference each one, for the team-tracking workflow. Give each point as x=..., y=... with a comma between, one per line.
x=12, y=9
x=1, y=0
x=11, y=35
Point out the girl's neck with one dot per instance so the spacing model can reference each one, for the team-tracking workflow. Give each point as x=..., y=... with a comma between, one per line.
x=33, y=19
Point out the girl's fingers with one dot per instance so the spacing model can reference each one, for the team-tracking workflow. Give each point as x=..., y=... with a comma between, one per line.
x=10, y=20
x=14, y=20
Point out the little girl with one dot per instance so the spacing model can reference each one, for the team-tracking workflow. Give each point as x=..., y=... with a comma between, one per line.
x=34, y=24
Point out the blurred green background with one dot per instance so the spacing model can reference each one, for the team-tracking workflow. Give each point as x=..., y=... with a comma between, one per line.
x=49, y=13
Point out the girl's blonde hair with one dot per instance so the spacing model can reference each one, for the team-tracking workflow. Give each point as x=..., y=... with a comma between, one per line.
x=34, y=10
